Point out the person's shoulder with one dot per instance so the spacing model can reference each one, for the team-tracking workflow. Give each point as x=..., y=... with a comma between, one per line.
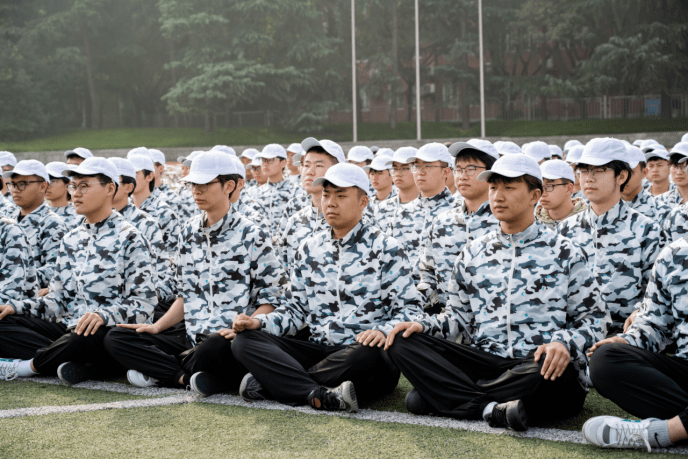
x=640, y=223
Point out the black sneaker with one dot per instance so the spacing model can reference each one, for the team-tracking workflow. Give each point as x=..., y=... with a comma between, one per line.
x=205, y=384
x=74, y=373
x=342, y=397
x=511, y=414
x=250, y=389
x=415, y=403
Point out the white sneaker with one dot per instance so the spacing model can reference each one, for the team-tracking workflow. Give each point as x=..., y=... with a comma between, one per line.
x=8, y=369
x=138, y=379
x=614, y=432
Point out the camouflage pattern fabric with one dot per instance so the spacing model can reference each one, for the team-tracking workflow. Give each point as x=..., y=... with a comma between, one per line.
x=188, y=204
x=662, y=319
x=511, y=293
x=251, y=210
x=670, y=198
x=306, y=223
x=69, y=215
x=17, y=275
x=224, y=270
x=621, y=246
x=105, y=268
x=449, y=233
x=341, y=287
x=7, y=208
x=675, y=224
x=300, y=200
x=375, y=202
x=386, y=210
x=274, y=197
x=44, y=230
x=542, y=215
x=645, y=203
x=459, y=199
x=174, y=200
x=167, y=221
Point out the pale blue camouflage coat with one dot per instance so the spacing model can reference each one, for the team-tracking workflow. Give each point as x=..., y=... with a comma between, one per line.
x=675, y=224
x=274, y=197
x=17, y=274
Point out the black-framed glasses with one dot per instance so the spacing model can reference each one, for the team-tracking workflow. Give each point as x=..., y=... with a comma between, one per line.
x=202, y=187
x=400, y=170
x=22, y=184
x=551, y=187
x=595, y=171
x=469, y=170
x=269, y=160
x=83, y=187
x=423, y=168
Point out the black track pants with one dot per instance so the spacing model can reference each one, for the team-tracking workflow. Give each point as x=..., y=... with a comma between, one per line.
x=22, y=336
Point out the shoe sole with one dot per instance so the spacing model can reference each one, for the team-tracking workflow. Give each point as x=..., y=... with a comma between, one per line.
x=242, y=389
x=349, y=397
x=517, y=418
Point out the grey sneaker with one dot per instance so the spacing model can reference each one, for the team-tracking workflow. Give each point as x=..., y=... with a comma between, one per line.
x=250, y=389
x=74, y=373
x=8, y=369
x=614, y=432
x=510, y=414
x=205, y=383
x=342, y=397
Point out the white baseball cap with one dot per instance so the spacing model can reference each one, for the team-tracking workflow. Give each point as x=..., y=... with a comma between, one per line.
x=93, y=166
x=685, y=138
x=7, y=159
x=432, y=152
x=508, y=148
x=657, y=153
x=124, y=167
x=538, y=151
x=555, y=151
x=330, y=147
x=679, y=149
x=638, y=142
x=249, y=153
x=374, y=149
x=156, y=156
x=55, y=168
x=653, y=146
x=28, y=167
x=571, y=143
x=209, y=165
x=635, y=156
x=402, y=155
x=225, y=149
x=344, y=175
x=256, y=162
x=187, y=162
x=295, y=148
x=359, y=154
x=385, y=152
x=142, y=163
x=138, y=151
x=574, y=153
x=272, y=150
x=238, y=166
x=79, y=151
x=475, y=145
x=602, y=150
x=497, y=144
x=647, y=142
x=380, y=163
x=513, y=166
x=554, y=169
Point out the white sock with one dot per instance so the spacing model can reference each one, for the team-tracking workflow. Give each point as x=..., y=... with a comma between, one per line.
x=488, y=409
x=24, y=369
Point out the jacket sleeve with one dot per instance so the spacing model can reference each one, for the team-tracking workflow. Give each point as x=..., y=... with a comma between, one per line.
x=267, y=275
x=51, y=236
x=17, y=275
x=428, y=283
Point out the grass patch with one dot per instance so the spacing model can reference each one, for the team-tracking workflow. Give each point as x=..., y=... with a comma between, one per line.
x=29, y=394
x=206, y=430
x=196, y=137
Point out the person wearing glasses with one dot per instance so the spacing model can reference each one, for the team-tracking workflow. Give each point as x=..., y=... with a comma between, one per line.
x=430, y=166
x=7, y=163
x=620, y=243
x=361, y=155
x=247, y=157
x=274, y=194
x=381, y=179
x=44, y=229
x=225, y=266
x=658, y=176
x=678, y=173
x=523, y=308
x=143, y=199
x=58, y=196
x=634, y=193
x=557, y=203
x=245, y=205
x=104, y=276
x=7, y=207
x=451, y=231
x=403, y=179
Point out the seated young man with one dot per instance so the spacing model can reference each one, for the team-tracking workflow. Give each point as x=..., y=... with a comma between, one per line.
x=525, y=304
x=572, y=158
x=58, y=196
x=381, y=179
x=77, y=156
x=7, y=163
x=557, y=203
x=644, y=370
x=319, y=157
x=7, y=207
x=225, y=266
x=350, y=285
x=245, y=205
x=678, y=172
x=620, y=243
x=451, y=231
x=104, y=276
x=658, y=175
x=634, y=193
x=403, y=179
x=276, y=192
x=44, y=229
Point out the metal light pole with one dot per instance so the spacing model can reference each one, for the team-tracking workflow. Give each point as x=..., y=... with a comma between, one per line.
x=480, y=60
x=418, y=71
x=354, y=134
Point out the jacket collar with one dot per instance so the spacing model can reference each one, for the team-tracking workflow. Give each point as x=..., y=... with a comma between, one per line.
x=223, y=225
x=351, y=238
x=609, y=217
x=433, y=201
x=530, y=234
x=108, y=223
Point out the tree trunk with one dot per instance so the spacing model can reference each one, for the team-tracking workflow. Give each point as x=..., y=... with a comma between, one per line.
x=393, y=85
x=95, y=109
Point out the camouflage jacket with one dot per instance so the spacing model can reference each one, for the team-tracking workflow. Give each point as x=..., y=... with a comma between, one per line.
x=544, y=217
x=386, y=210
x=69, y=215
x=375, y=202
x=251, y=210
x=300, y=200
x=342, y=287
x=580, y=194
x=149, y=228
x=662, y=320
x=449, y=233
x=411, y=224
x=167, y=221
x=104, y=268
x=459, y=199
x=274, y=197
x=17, y=274
x=227, y=269
x=621, y=246
x=188, y=204
x=675, y=224
x=646, y=204
x=511, y=293
x=44, y=230
x=647, y=186
x=670, y=199
x=8, y=196
x=7, y=208
x=306, y=223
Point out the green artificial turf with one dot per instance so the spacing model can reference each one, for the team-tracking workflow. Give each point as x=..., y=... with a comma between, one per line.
x=207, y=430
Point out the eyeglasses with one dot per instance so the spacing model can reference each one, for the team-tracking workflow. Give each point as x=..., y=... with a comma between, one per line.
x=53, y=182
x=552, y=186
x=21, y=186
x=268, y=160
x=399, y=170
x=375, y=172
x=597, y=171
x=83, y=187
x=681, y=167
x=423, y=169
x=469, y=170
x=202, y=187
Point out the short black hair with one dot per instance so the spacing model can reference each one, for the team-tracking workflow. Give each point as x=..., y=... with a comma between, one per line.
x=73, y=155
x=674, y=158
x=469, y=154
x=318, y=149
x=643, y=165
x=655, y=158
x=223, y=179
x=104, y=179
x=125, y=180
x=531, y=182
x=617, y=166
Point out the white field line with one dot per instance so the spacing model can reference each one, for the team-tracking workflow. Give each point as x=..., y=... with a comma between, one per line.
x=178, y=396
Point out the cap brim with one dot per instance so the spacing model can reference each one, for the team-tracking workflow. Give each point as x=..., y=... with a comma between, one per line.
x=181, y=159
x=683, y=160
x=321, y=181
x=483, y=176
x=463, y=146
x=200, y=179
x=554, y=177
x=368, y=168
x=650, y=156
x=269, y=156
x=594, y=161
